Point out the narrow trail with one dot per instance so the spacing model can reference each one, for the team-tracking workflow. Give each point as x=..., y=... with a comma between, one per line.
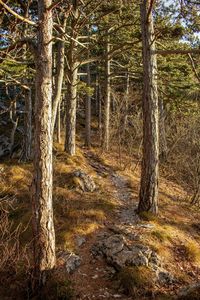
x=95, y=279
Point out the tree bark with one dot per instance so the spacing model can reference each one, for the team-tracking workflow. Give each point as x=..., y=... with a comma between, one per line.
x=162, y=132
x=106, y=133
x=71, y=99
x=88, y=110
x=100, y=113
x=43, y=226
x=70, y=138
x=149, y=173
x=96, y=94
x=27, y=138
x=126, y=105
x=58, y=123
x=58, y=81
x=27, y=143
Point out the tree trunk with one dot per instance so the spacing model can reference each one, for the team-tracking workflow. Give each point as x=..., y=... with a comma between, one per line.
x=100, y=114
x=71, y=102
x=27, y=143
x=27, y=136
x=43, y=226
x=107, y=99
x=126, y=104
x=58, y=81
x=162, y=133
x=71, y=99
x=12, y=135
x=58, y=123
x=96, y=94
x=149, y=173
x=88, y=110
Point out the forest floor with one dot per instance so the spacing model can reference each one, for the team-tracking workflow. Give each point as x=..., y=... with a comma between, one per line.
x=174, y=234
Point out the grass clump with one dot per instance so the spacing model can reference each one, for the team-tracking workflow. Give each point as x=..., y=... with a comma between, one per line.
x=134, y=278
x=162, y=236
x=192, y=251
x=148, y=216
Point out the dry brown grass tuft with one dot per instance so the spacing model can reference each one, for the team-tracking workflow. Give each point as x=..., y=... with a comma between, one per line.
x=192, y=251
x=133, y=279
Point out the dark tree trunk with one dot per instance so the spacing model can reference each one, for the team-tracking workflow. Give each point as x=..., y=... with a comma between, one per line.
x=27, y=143
x=88, y=112
x=149, y=173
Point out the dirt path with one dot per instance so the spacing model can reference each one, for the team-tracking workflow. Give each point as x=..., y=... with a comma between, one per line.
x=95, y=279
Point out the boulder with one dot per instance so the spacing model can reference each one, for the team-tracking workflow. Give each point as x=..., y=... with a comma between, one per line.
x=69, y=260
x=85, y=182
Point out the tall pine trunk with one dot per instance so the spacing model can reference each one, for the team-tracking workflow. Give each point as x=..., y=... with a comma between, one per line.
x=106, y=133
x=149, y=175
x=43, y=226
x=71, y=98
x=60, y=62
x=88, y=112
x=71, y=103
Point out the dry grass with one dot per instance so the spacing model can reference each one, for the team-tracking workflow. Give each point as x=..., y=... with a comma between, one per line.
x=81, y=213
x=172, y=228
x=192, y=251
x=135, y=280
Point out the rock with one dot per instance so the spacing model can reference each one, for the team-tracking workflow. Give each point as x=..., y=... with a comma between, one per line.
x=95, y=276
x=164, y=277
x=114, y=244
x=70, y=260
x=190, y=292
x=80, y=240
x=119, y=260
x=155, y=261
x=110, y=270
x=86, y=183
x=148, y=226
x=119, y=254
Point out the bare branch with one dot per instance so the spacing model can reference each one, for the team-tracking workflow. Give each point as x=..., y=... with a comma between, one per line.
x=176, y=51
x=10, y=10
x=193, y=67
